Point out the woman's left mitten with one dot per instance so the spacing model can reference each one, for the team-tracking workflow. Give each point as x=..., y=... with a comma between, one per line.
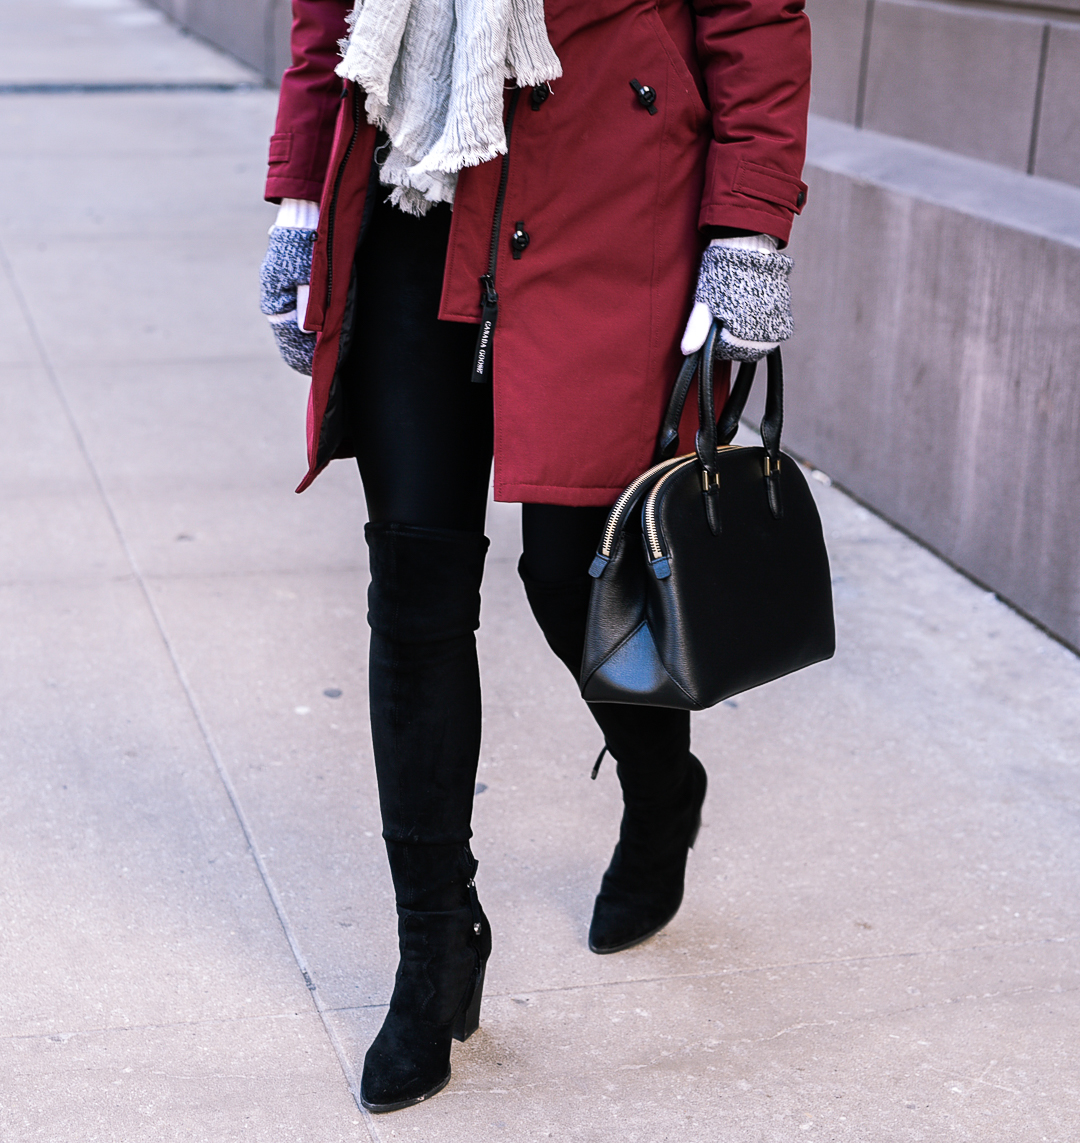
x=286, y=266
x=746, y=291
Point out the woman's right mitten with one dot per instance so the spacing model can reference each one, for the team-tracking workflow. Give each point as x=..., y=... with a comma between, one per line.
x=287, y=266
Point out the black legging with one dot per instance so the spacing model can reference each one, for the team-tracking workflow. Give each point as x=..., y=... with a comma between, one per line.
x=423, y=435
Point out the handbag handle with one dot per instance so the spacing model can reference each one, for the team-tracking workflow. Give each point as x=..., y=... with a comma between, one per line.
x=668, y=439
x=712, y=433
x=772, y=423
x=721, y=432
x=705, y=438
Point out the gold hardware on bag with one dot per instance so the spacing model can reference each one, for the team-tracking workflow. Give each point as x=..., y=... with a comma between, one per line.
x=769, y=468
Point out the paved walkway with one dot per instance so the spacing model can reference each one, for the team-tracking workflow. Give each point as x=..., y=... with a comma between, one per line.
x=880, y=937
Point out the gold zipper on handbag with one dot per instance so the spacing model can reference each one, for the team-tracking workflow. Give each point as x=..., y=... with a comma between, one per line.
x=614, y=520
x=650, y=515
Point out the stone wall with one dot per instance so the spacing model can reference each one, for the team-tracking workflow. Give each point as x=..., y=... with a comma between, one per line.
x=934, y=369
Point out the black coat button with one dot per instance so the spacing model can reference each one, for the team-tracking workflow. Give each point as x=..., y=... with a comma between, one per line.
x=801, y=200
x=646, y=95
x=539, y=94
x=519, y=239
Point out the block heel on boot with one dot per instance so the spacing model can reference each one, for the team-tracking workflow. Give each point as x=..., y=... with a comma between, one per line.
x=468, y=1019
x=437, y=997
x=643, y=887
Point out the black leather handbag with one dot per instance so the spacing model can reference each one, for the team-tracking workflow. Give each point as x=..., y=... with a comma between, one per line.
x=712, y=575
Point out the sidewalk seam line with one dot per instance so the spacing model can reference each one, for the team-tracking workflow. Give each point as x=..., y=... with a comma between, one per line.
x=134, y=87
x=189, y=693
x=105, y=1029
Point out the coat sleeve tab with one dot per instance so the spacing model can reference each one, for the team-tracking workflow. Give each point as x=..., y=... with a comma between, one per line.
x=770, y=185
x=281, y=147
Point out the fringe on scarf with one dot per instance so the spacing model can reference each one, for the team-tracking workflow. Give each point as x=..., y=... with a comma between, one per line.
x=434, y=72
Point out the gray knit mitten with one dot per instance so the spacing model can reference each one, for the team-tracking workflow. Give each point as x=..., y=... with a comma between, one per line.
x=287, y=265
x=747, y=293
x=296, y=345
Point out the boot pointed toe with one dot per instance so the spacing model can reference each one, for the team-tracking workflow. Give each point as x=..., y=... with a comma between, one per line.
x=404, y=1065
x=622, y=921
x=642, y=889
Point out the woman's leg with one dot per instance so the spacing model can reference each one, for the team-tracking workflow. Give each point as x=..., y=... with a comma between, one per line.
x=421, y=427
x=663, y=784
x=422, y=430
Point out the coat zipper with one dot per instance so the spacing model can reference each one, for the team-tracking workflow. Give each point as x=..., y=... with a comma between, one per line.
x=331, y=212
x=489, y=297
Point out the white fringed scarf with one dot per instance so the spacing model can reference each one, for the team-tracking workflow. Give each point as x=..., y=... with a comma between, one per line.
x=434, y=73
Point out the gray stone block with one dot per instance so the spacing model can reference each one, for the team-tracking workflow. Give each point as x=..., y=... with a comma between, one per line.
x=1058, y=152
x=249, y=31
x=838, y=36
x=964, y=80
x=256, y=32
x=1042, y=6
x=983, y=190
x=933, y=369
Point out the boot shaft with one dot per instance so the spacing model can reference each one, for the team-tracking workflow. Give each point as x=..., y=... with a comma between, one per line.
x=424, y=681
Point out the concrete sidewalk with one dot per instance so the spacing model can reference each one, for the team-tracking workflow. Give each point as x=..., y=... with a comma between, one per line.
x=880, y=936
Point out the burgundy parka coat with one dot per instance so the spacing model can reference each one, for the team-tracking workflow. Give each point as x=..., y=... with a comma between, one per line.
x=612, y=192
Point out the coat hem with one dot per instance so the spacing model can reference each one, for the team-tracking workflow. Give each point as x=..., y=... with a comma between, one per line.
x=309, y=478
x=465, y=319
x=511, y=493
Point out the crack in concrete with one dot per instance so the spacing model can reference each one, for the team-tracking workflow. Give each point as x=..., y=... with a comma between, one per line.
x=973, y=1079
x=782, y=965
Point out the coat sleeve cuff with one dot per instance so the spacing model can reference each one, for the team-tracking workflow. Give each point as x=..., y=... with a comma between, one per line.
x=751, y=197
x=286, y=186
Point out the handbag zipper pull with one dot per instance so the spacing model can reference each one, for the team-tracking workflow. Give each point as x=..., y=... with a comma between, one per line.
x=599, y=759
x=772, y=485
x=710, y=490
x=489, y=314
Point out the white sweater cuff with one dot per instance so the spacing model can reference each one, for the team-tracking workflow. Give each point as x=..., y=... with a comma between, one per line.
x=765, y=243
x=299, y=213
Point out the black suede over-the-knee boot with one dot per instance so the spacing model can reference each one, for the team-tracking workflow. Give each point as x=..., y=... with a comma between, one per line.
x=663, y=785
x=424, y=682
